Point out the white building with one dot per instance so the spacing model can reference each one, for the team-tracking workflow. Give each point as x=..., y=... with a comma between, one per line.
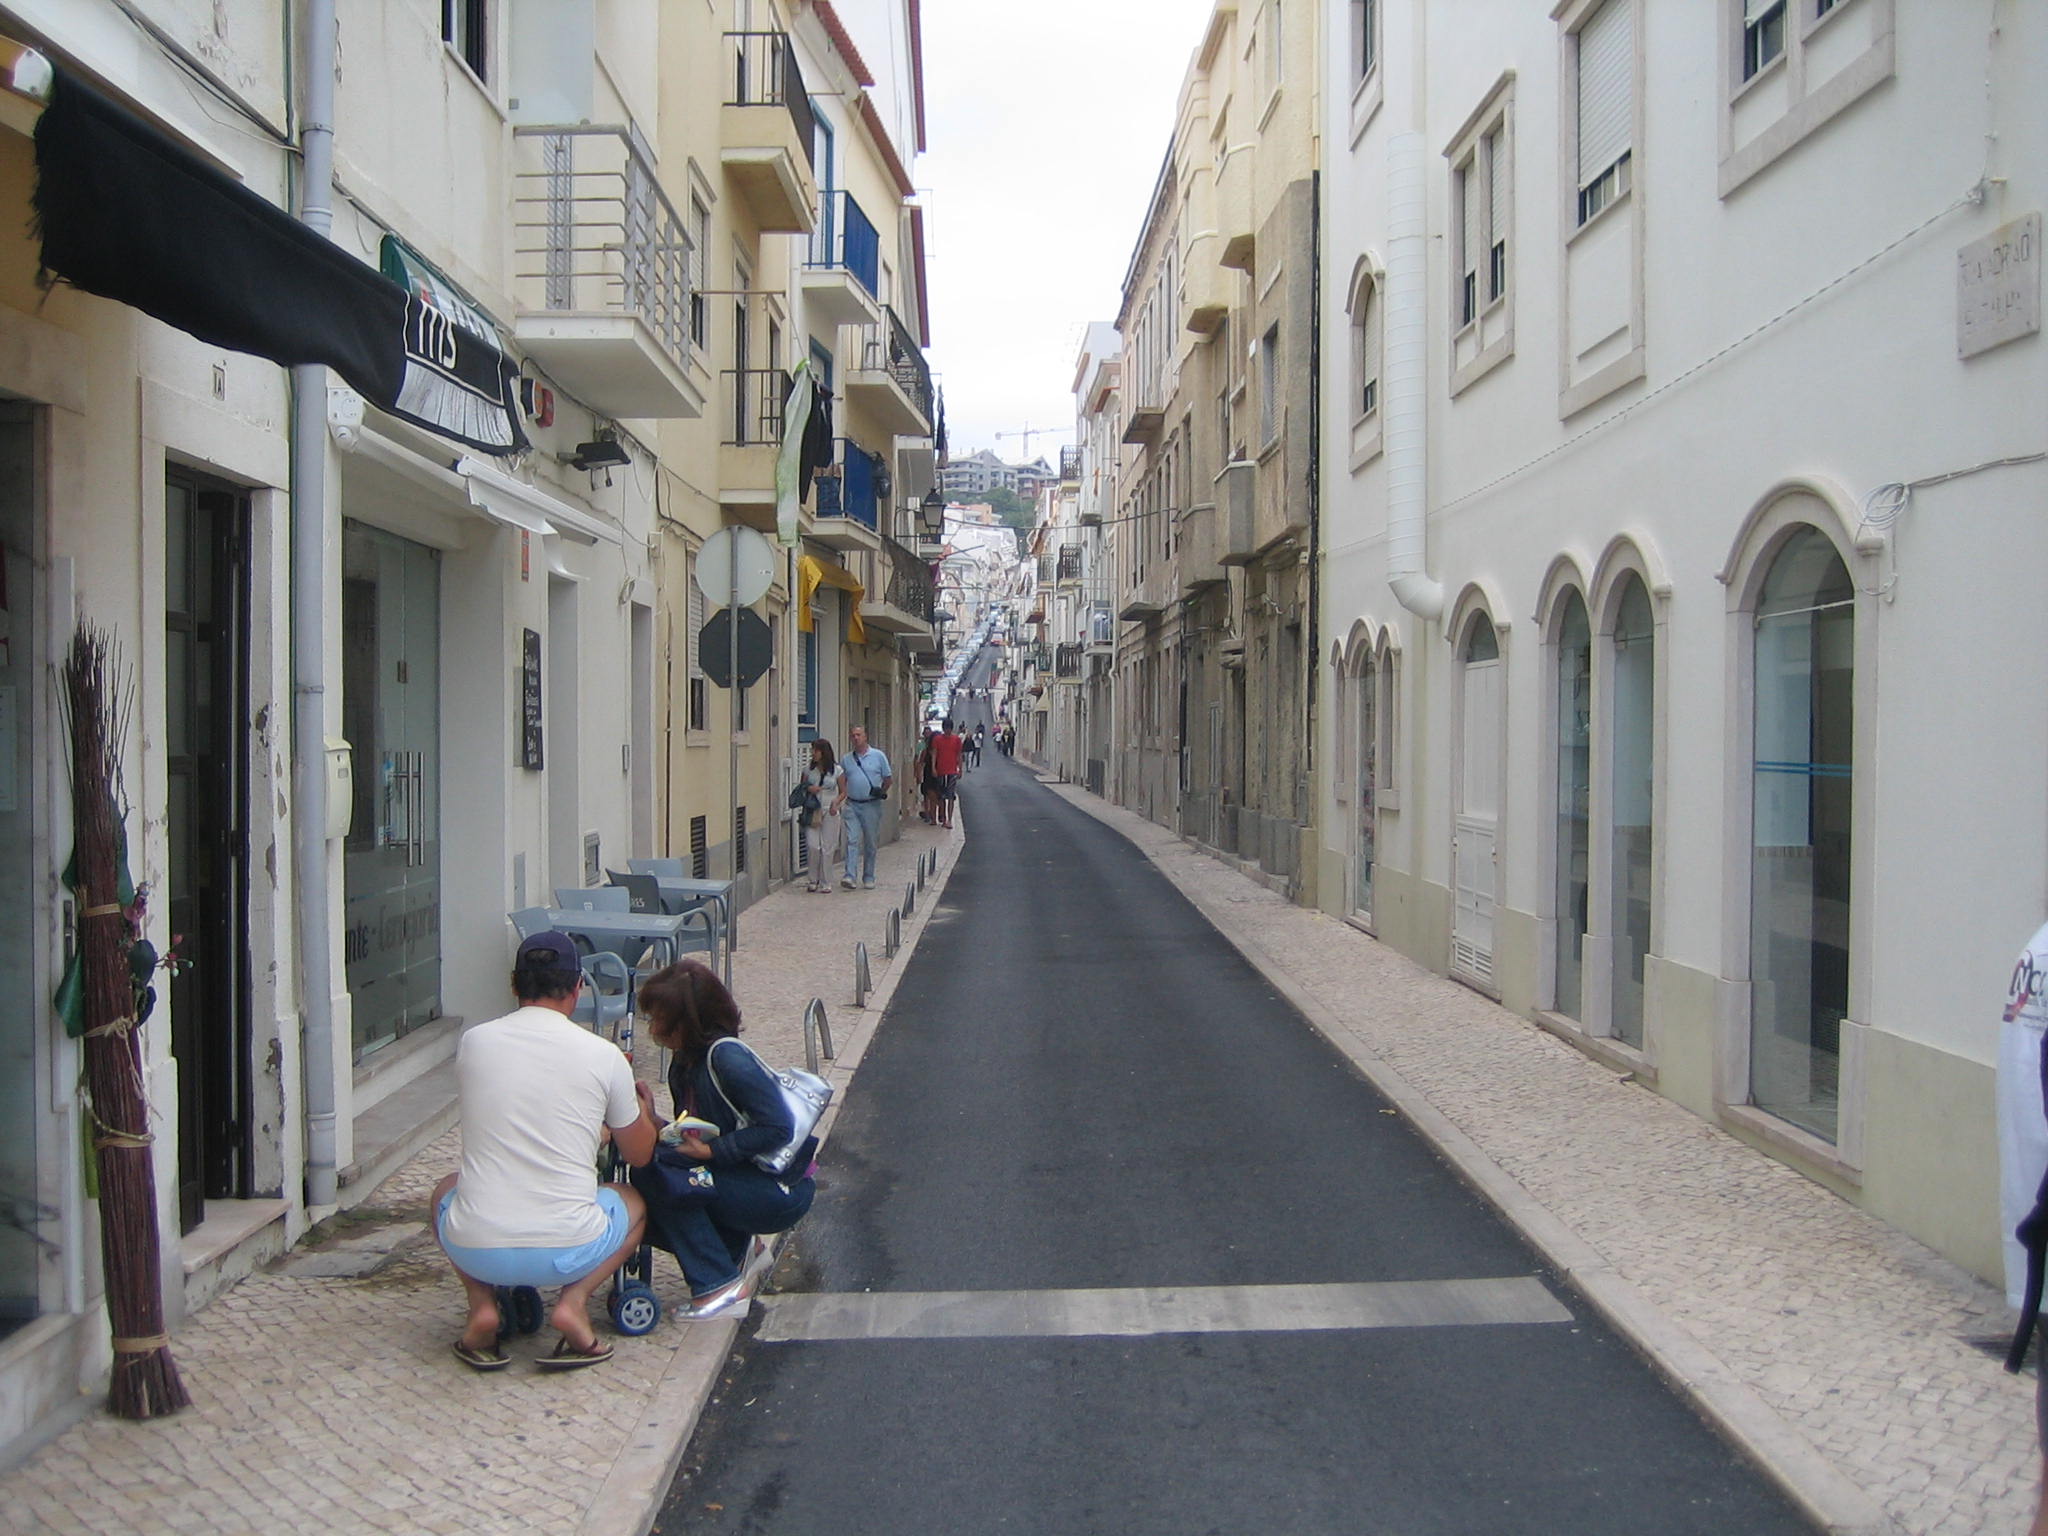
x=1677, y=596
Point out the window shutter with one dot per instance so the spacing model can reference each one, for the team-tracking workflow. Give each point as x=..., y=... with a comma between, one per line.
x=1606, y=73
x=695, y=620
x=1472, y=237
x=1496, y=187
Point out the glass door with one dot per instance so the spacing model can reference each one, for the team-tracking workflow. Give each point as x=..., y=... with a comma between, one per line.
x=391, y=686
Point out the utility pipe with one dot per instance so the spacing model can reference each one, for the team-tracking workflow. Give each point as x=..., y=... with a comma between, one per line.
x=309, y=636
x=1407, y=379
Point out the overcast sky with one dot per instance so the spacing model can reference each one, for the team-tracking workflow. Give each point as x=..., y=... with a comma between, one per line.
x=1047, y=123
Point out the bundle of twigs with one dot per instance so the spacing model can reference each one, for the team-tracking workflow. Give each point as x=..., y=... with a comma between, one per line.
x=145, y=1377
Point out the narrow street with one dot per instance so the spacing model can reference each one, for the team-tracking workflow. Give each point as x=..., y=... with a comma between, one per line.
x=1109, y=1240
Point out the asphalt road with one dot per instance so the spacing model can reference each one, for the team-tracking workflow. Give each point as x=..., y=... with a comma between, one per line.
x=1108, y=1240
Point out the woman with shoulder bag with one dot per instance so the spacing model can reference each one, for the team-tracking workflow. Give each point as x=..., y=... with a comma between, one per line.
x=707, y=1197
x=825, y=787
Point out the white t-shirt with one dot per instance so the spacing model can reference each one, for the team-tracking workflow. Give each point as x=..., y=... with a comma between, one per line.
x=2022, y=1126
x=535, y=1088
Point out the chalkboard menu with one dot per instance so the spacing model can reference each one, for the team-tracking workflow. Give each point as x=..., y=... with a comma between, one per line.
x=529, y=699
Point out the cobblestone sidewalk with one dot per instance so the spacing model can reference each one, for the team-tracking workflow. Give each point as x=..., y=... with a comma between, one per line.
x=325, y=1398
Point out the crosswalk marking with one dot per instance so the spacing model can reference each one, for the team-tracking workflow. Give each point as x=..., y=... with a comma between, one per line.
x=798, y=1318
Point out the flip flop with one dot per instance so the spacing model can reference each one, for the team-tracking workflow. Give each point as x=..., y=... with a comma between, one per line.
x=491, y=1359
x=567, y=1357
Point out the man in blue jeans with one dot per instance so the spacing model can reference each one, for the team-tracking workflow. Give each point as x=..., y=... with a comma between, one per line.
x=868, y=776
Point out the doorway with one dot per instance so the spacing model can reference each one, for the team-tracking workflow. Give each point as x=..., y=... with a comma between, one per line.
x=1477, y=829
x=391, y=705
x=206, y=715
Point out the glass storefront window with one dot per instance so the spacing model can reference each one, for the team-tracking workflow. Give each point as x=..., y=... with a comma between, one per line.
x=24, y=1219
x=1635, y=696
x=1574, y=765
x=1799, y=873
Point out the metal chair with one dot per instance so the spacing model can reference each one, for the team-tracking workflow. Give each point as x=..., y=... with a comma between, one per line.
x=676, y=869
x=643, y=890
x=608, y=997
x=593, y=898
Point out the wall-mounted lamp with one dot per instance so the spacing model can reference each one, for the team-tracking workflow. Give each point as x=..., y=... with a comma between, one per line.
x=931, y=512
x=600, y=453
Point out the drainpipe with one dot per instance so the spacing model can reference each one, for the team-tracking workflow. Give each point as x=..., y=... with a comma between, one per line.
x=309, y=636
x=1407, y=379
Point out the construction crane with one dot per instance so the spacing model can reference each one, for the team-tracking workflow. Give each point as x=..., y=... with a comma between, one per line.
x=1028, y=433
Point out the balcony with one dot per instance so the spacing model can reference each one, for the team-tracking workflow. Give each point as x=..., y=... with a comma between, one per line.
x=1207, y=290
x=766, y=132
x=1067, y=571
x=1234, y=209
x=1200, y=566
x=1099, y=628
x=850, y=498
x=841, y=270
x=1066, y=661
x=904, y=603
x=750, y=406
x=1236, y=540
x=1143, y=425
x=1146, y=599
x=892, y=384
x=1070, y=462
x=601, y=272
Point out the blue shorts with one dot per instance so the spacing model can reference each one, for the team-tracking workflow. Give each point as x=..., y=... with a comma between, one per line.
x=540, y=1266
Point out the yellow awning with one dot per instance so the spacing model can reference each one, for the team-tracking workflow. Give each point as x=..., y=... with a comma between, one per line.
x=813, y=573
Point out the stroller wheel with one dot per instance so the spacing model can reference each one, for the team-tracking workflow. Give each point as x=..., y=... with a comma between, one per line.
x=527, y=1312
x=635, y=1309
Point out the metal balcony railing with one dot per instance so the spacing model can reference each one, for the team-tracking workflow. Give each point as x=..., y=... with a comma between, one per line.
x=1067, y=660
x=1069, y=562
x=1041, y=656
x=859, y=488
x=909, y=583
x=766, y=74
x=754, y=399
x=890, y=348
x=1045, y=570
x=594, y=232
x=845, y=238
x=1070, y=462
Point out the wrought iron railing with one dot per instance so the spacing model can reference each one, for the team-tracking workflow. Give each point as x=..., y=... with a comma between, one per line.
x=1070, y=462
x=594, y=232
x=909, y=581
x=890, y=348
x=1045, y=570
x=844, y=237
x=1067, y=660
x=754, y=398
x=858, y=488
x=766, y=74
x=1069, y=562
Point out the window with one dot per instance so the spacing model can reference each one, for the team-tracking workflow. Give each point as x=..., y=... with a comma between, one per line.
x=700, y=849
x=1365, y=344
x=1801, y=788
x=1270, y=45
x=739, y=839
x=1789, y=68
x=1605, y=51
x=1631, y=803
x=700, y=257
x=1482, y=215
x=699, y=711
x=465, y=27
x=1763, y=35
x=1365, y=37
x=1269, y=386
x=1574, y=801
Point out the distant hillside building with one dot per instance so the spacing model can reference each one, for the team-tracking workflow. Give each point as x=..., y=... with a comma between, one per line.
x=982, y=472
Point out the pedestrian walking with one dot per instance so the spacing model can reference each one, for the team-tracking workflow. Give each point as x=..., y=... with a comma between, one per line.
x=826, y=782
x=538, y=1092
x=2023, y=1166
x=868, y=776
x=927, y=781
x=975, y=744
x=946, y=749
x=707, y=1200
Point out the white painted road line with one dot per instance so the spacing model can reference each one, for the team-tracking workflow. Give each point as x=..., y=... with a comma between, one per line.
x=799, y=1318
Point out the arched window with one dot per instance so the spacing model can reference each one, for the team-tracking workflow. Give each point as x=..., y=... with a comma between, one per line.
x=1477, y=826
x=1365, y=740
x=1801, y=785
x=1365, y=350
x=1631, y=779
x=1574, y=801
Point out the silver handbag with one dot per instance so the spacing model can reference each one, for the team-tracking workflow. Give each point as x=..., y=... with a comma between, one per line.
x=804, y=1094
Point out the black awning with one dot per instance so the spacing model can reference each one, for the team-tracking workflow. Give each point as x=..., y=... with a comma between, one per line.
x=125, y=213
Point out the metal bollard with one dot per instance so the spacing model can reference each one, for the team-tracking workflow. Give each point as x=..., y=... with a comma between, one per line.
x=817, y=1033
x=909, y=898
x=863, y=982
x=920, y=871
x=892, y=934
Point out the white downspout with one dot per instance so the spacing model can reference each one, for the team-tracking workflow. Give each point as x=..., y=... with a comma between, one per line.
x=1407, y=379
x=309, y=637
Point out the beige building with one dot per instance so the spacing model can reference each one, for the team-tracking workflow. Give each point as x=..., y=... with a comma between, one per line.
x=1214, y=517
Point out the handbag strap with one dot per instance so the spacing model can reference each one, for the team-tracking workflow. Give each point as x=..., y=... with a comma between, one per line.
x=711, y=1067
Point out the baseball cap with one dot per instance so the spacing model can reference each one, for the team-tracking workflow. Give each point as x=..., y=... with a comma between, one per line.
x=552, y=949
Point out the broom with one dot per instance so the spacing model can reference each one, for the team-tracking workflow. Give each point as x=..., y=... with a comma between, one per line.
x=145, y=1378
